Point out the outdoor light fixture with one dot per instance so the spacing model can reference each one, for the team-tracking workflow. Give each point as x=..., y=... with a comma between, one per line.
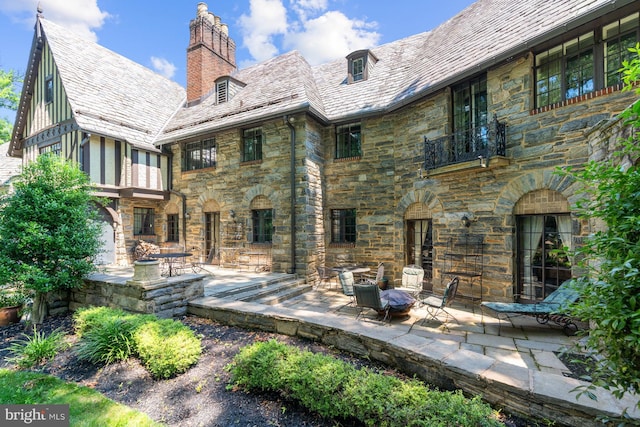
x=232, y=213
x=465, y=221
x=483, y=161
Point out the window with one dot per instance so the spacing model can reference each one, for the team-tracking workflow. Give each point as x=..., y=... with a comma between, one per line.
x=357, y=69
x=252, y=144
x=200, y=154
x=262, y=225
x=544, y=244
x=48, y=89
x=222, y=91
x=618, y=38
x=470, y=122
x=586, y=63
x=173, y=228
x=348, y=141
x=143, y=221
x=55, y=148
x=343, y=226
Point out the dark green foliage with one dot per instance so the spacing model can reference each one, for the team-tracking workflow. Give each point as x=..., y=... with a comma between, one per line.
x=335, y=389
x=166, y=347
x=610, y=257
x=49, y=233
x=34, y=349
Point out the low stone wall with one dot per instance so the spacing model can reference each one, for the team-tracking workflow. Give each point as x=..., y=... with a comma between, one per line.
x=146, y=292
x=517, y=389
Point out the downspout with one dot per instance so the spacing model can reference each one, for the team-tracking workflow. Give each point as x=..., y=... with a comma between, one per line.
x=288, y=121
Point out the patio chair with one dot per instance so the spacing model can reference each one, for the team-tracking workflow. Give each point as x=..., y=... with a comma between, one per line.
x=326, y=274
x=411, y=282
x=346, y=281
x=368, y=296
x=550, y=308
x=436, y=305
x=378, y=277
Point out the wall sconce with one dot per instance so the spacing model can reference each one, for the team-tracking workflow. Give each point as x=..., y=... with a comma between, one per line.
x=465, y=221
x=421, y=174
x=483, y=161
x=187, y=215
x=232, y=213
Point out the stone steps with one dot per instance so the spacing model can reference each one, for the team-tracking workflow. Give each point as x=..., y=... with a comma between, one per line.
x=268, y=291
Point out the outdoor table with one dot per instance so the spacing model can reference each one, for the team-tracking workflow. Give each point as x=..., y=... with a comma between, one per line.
x=355, y=269
x=169, y=259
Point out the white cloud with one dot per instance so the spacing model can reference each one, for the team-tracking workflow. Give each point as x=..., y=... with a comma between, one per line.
x=319, y=35
x=267, y=19
x=331, y=36
x=79, y=16
x=163, y=67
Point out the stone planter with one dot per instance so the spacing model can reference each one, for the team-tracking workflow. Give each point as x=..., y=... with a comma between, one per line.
x=147, y=271
x=9, y=315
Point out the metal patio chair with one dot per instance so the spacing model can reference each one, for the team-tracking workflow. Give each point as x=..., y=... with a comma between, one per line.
x=368, y=296
x=437, y=305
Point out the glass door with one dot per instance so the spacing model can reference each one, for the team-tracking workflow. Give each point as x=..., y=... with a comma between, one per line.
x=212, y=237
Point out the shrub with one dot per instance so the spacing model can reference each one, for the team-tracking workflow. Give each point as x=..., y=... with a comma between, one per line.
x=37, y=348
x=336, y=389
x=167, y=347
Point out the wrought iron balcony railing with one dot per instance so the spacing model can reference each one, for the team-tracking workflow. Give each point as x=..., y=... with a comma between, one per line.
x=480, y=143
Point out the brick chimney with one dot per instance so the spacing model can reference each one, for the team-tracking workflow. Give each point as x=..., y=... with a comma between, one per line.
x=211, y=53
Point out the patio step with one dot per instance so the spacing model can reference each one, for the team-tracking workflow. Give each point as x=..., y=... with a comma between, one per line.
x=268, y=291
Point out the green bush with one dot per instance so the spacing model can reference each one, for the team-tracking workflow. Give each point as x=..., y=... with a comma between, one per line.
x=167, y=347
x=34, y=349
x=336, y=389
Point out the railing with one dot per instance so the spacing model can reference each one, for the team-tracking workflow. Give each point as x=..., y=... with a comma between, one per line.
x=476, y=144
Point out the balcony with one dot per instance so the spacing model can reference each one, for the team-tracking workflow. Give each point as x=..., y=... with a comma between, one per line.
x=474, y=145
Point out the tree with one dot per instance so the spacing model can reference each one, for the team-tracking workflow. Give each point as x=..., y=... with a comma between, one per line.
x=610, y=291
x=9, y=99
x=49, y=233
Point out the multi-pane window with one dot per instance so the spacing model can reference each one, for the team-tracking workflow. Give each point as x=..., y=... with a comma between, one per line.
x=200, y=154
x=544, y=248
x=262, y=225
x=586, y=63
x=348, y=141
x=252, y=144
x=48, y=89
x=173, y=228
x=357, y=69
x=143, y=221
x=343, y=226
x=55, y=148
x=470, y=116
x=618, y=37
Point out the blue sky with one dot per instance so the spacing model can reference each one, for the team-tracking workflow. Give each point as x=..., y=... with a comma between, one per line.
x=156, y=33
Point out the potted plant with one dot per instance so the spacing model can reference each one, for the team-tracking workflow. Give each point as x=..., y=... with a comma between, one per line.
x=12, y=300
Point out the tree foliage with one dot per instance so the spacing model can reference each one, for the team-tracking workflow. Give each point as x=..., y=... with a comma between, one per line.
x=610, y=297
x=9, y=98
x=49, y=233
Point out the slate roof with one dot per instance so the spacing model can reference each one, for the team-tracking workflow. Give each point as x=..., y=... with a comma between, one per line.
x=116, y=97
x=109, y=94
x=486, y=33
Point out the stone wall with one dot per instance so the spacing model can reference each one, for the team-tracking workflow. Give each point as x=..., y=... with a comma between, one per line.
x=164, y=297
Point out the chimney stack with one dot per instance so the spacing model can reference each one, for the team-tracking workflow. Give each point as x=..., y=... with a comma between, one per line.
x=211, y=54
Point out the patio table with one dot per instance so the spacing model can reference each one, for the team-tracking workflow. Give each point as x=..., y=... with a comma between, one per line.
x=169, y=259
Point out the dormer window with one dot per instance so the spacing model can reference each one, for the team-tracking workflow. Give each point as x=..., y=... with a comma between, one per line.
x=360, y=64
x=222, y=91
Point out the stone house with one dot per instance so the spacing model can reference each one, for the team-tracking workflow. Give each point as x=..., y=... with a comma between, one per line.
x=439, y=149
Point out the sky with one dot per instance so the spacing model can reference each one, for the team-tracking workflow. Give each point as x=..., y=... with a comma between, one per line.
x=156, y=33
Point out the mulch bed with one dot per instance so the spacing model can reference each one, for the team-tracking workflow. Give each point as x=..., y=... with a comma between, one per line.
x=198, y=397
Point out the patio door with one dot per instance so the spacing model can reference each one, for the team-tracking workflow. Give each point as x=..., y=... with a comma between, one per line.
x=212, y=237
x=419, y=250
x=544, y=261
